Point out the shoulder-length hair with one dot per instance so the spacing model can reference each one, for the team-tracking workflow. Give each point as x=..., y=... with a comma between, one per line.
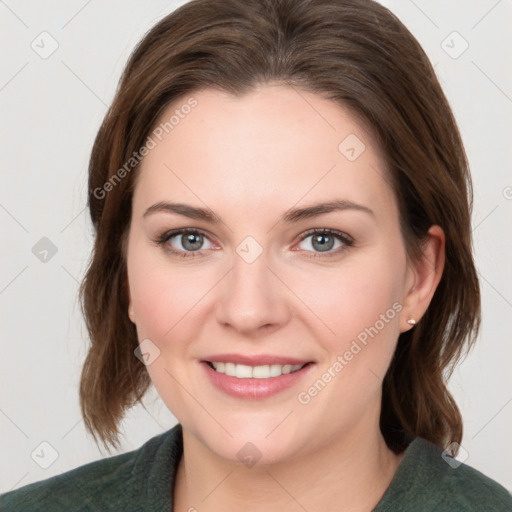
x=355, y=53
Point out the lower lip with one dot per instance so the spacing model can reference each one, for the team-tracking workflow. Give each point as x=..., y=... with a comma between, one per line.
x=254, y=388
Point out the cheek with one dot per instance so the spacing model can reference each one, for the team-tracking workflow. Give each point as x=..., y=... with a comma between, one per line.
x=348, y=299
x=373, y=309
x=358, y=306
x=362, y=307
x=163, y=296
x=163, y=299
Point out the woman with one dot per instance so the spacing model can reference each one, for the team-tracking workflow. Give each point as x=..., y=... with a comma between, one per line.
x=281, y=201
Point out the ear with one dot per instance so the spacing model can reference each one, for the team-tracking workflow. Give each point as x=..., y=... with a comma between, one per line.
x=423, y=277
x=131, y=313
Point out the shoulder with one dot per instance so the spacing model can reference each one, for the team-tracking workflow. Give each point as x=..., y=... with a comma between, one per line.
x=74, y=488
x=427, y=479
x=467, y=489
x=107, y=484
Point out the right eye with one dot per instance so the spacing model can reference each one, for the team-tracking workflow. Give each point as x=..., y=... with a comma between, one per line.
x=184, y=243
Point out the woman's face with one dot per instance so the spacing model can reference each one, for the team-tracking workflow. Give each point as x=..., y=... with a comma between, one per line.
x=257, y=287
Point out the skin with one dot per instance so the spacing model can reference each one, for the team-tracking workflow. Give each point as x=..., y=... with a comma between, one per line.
x=250, y=159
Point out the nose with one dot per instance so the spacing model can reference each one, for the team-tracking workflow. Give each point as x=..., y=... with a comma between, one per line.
x=252, y=299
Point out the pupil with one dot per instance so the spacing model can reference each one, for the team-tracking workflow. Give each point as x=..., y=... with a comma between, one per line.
x=190, y=244
x=325, y=242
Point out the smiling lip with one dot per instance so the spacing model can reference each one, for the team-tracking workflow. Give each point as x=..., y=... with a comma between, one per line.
x=253, y=388
x=257, y=360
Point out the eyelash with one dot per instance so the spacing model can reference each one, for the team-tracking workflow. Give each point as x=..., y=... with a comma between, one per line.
x=347, y=241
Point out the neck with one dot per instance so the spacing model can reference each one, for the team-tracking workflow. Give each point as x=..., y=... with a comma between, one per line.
x=353, y=471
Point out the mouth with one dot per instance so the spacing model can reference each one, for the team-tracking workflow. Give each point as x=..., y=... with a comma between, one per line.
x=257, y=380
x=243, y=371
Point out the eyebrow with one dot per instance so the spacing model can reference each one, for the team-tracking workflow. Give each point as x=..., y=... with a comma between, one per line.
x=291, y=216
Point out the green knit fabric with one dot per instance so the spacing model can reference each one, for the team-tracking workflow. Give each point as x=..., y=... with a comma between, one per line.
x=143, y=480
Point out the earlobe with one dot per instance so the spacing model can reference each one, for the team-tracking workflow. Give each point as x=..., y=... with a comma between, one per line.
x=426, y=275
x=131, y=313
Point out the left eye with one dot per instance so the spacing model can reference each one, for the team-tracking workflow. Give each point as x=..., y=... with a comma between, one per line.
x=325, y=241
x=187, y=240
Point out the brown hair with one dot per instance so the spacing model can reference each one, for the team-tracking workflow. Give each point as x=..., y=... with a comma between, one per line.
x=356, y=53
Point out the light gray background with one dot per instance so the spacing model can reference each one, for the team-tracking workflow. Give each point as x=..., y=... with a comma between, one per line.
x=51, y=109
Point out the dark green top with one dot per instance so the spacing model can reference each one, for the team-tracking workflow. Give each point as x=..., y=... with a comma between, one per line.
x=143, y=480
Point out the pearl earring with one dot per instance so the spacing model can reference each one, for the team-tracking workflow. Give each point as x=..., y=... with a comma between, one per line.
x=411, y=321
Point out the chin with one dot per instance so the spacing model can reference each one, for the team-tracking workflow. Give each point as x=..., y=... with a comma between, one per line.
x=249, y=439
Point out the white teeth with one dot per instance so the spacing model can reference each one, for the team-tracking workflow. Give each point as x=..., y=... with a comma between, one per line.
x=242, y=371
x=275, y=370
x=261, y=372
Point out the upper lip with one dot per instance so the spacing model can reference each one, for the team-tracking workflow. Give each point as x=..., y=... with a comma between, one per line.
x=256, y=360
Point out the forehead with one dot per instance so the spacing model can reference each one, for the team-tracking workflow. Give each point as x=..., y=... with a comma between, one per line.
x=269, y=149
